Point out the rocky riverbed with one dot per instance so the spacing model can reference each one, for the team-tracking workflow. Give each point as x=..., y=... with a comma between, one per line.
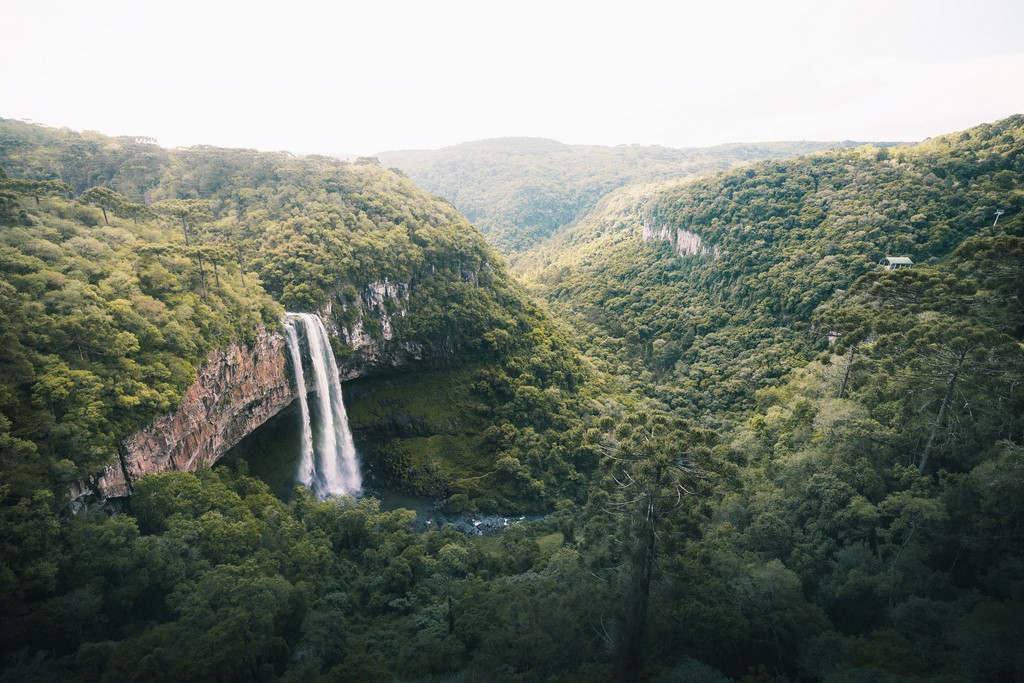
x=430, y=515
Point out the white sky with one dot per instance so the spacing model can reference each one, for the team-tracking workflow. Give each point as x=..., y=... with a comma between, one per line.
x=371, y=75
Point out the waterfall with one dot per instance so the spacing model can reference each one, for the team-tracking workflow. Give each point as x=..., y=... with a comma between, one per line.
x=306, y=464
x=328, y=465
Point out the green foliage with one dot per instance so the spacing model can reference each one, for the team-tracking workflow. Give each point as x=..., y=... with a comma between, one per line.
x=129, y=313
x=311, y=227
x=856, y=515
x=35, y=188
x=842, y=491
x=104, y=323
x=104, y=199
x=522, y=190
x=494, y=443
x=102, y=329
x=654, y=466
x=781, y=239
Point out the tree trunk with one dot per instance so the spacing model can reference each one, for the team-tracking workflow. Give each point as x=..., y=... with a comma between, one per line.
x=938, y=420
x=184, y=229
x=846, y=373
x=632, y=659
x=895, y=561
x=104, y=210
x=202, y=278
x=451, y=616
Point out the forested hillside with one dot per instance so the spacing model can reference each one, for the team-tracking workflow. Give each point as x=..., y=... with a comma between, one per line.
x=124, y=264
x=519, y=191
x=779, y=239
x=740, y=451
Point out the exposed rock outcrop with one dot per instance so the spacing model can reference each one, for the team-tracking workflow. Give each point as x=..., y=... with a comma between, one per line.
x=241, y=387
x=371, y=335
x=237, y=390
x=684, y=242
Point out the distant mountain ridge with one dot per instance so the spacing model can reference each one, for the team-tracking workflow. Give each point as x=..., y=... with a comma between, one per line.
x=521, y=190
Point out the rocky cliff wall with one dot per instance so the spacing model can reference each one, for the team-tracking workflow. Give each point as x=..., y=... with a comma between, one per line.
x=237, y=390
x=241, y=387
x=374, y=348
x=684, y=242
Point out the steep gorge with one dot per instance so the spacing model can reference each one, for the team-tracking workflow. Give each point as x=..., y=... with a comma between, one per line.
x=711, y=286
x=241, y=388
x=147, y=335
x=805, y=545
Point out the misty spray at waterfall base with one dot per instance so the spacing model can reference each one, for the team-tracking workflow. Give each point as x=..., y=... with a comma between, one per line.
x=328, y=464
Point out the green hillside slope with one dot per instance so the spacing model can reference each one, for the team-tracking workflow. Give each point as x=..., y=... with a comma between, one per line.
x=773, y=460
x=782, y=238
x=114, y=297
x=521, y=190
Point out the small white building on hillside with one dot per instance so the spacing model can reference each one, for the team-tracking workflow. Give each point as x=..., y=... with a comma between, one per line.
x=896, y=262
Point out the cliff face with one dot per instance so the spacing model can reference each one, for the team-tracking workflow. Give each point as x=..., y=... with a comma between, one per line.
x=371, y=337
x=241, y=387
x=237, y=390
x=685, y=243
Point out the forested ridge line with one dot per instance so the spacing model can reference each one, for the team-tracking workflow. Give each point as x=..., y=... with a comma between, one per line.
x=520, y=191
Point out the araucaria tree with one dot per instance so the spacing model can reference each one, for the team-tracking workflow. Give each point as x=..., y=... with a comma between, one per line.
x=104, y=199
x=654, y=467
x=188, y=211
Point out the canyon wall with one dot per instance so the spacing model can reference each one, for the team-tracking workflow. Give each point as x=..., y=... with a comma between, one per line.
x=236, y=390
x=241, y=387
x=370, y=338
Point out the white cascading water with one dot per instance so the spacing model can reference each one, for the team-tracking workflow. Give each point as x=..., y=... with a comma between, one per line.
x=306, y=464
x=328, y=465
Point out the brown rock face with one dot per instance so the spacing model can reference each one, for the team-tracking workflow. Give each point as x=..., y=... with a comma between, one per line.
x=237, y=390
x=241, y=387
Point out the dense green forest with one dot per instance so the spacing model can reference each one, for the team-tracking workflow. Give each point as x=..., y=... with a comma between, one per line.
x=182, y=250
x=772, y=460
x=520, y=191
x=703, y=333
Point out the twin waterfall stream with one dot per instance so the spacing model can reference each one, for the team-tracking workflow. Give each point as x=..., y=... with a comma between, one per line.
x=328, y=466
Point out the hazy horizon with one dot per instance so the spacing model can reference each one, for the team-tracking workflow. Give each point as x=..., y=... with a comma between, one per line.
x=353, y=155
x=362, y=78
